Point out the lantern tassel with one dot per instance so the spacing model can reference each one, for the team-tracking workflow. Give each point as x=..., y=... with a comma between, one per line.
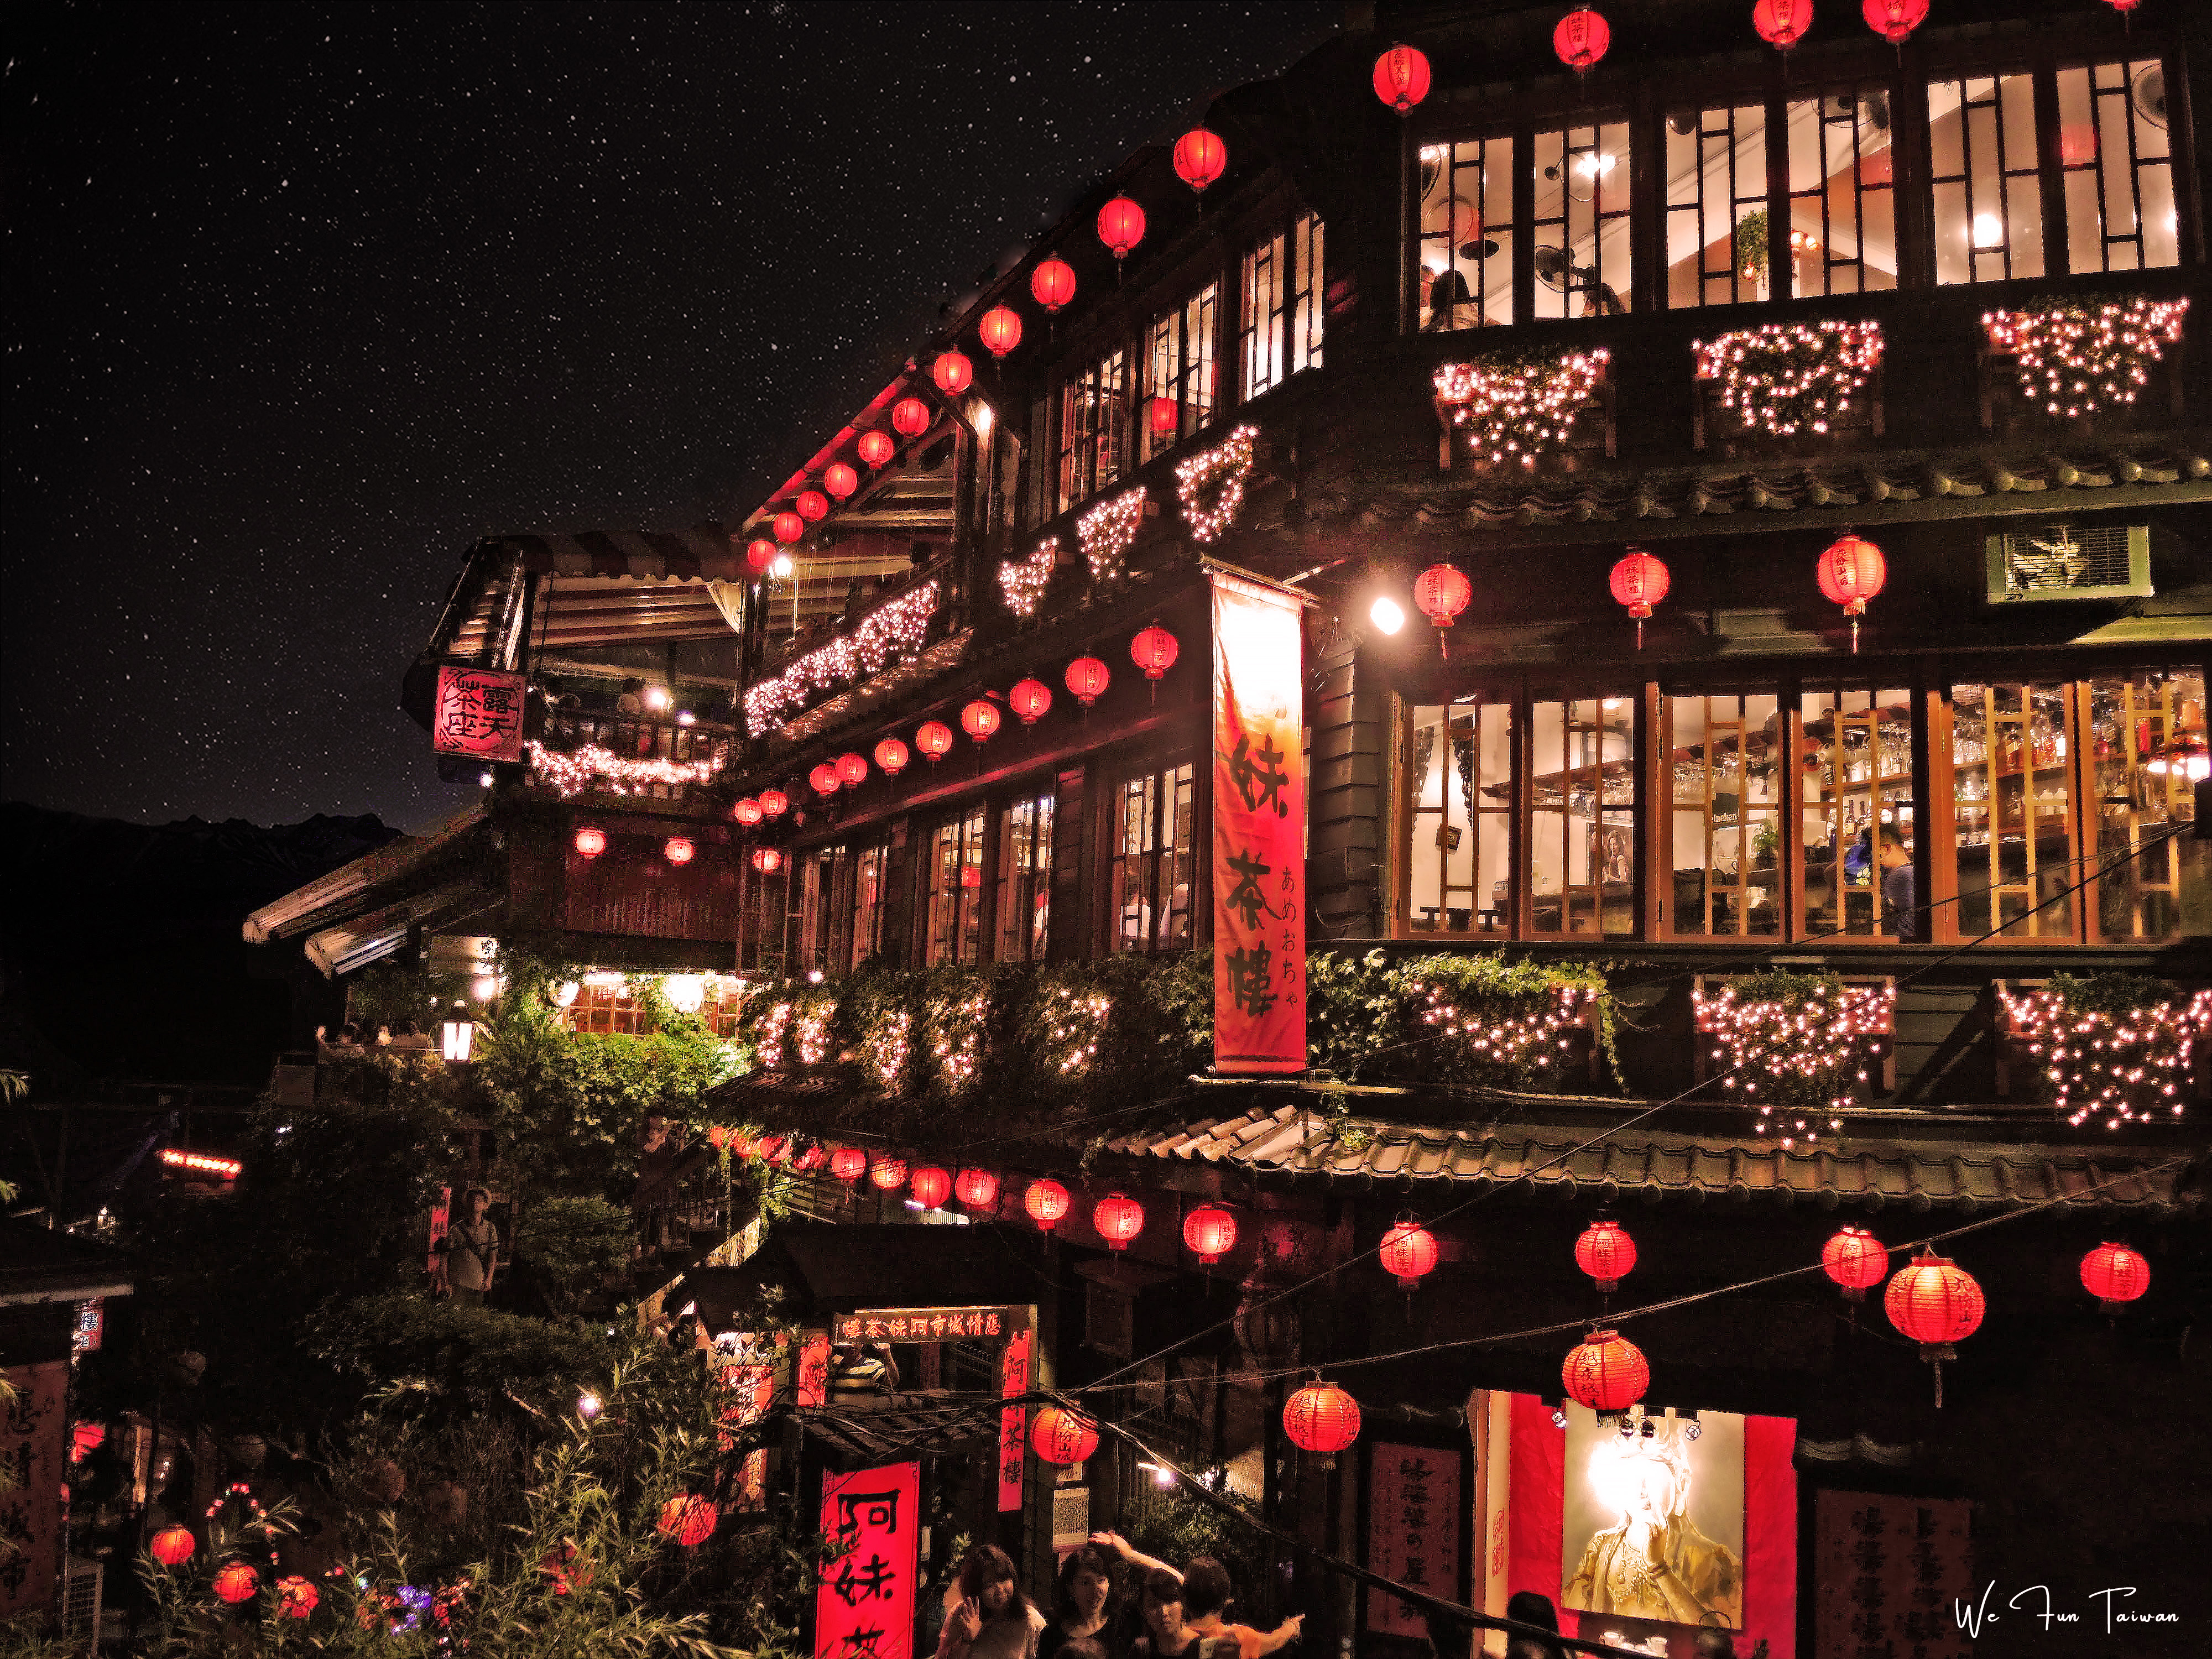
x=1639, y=633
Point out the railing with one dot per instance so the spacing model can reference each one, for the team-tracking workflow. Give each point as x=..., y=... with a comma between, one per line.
x=623, y=754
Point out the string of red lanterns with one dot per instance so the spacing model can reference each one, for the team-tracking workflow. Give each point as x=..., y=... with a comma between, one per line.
x=813, y=506
x=1121, y=226
x=876, y=448
x=1000, y=331
x=892, y=756
x=825, y=779
x=676, y=850
x=1895, y=20
x=1581, y=38
x=1936, y=1303
x=1639, y=582
x=760, y=553
x=1118, y=1219
x=910, y=417
x=977, y=1189
x=1401, y=77
x=1063, y=1437
x=1210, y=1233
x=1605, y=1253
x=840, y=480
x=952, y=372
x=590, y=843
x=1409, y=1253
x=1052, y=284
x=2114, y=1273
x=1855, y=1260
x=1031, y=699
x=768, y=860
x=1086, y=680
x=1606, y=1372
x=888, y=1173
x=1200, y=158
x=1321, y=1419
x=1781, y=23
x=931, y=1187
x=788, y=527
x=774, y=803
x=851, y=770
x=1154, y=650
x=979, y=720
x=934, y=740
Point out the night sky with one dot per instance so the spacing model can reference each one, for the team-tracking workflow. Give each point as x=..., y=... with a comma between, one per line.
x=303, y=300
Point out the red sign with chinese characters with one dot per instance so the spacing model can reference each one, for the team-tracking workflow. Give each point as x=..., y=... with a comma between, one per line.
x=928, y=1324
x=479, y=714
x=1412, y=1531
x=865, y=1607
x=1013, y=1422
x=35, y=1448
x=814, y=1369
x=1258, y=828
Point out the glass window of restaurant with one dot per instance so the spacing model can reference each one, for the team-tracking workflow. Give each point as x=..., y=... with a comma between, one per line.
x=1725, y=767
x=1983, y=166
x=1854, y=793
x=1582, y=178
x=2116, y=163
x=1843, y=208
x=1154, y=874
x=955, y=890
x=1025, y=907
x=1094, y=414
x=1279, y=323
x=1179, y=366
x=1716, y=240
x=2146, y=751
x=823, y=915
x=867, y=921
x=1581, y=815
x=1459, y=803
x=1466, y=234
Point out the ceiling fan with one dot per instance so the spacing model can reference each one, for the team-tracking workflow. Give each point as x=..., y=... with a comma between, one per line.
x=1559, y=272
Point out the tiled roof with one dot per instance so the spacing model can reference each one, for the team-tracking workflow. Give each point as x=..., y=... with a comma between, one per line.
x=1862, y=1172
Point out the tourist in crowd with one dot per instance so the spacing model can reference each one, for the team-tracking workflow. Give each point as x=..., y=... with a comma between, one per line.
x=859, y=1374
x=993, y=1619
x=1206, y=1593
x=471, y=1249
x=1087, y=1603
x=1165, y=1634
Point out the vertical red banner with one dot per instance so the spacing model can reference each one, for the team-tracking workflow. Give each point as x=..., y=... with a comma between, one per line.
x=1258, y=828
x=813, y=1384
x=865, y=1607
x=1013, y=1421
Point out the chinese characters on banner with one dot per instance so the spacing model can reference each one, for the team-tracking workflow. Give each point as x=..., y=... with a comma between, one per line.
x=865, y=1607
x=31, y=1448
x=91, y=1321
x=1412, y=1531
x=1013, y=1421
x=479, y=714
x=1886, y=1571
x=1258, y=828
x=927, y=1324
x=814, y=1369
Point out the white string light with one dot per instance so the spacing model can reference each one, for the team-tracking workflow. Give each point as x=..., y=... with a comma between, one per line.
x=1106, y=531
x=1210, y=485
x=890, y=631
x=571, y=771
x=1023, y=580
x=1817, y=1047
x=2122, y=1068
x=1521, y=409
x=1783, y=378
x=2075, y=357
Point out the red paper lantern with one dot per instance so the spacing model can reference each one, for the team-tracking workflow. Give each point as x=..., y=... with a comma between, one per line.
x=172, y=1546
x=2124, y=7
x=2077, y=143
x=1322, y=1419
x=892, y=756
x=1850, y=571
x=979, y=720
x=813, y=506
x=1606, y=1252
x=932, y=1186
x=676, y=850
x=825, y=779
x=1895, y=20
x=1409, y=1252
x=888, y=1173
x=953, y=373
x=840, y=480
x=760, y=553
x=788, y=527
x=1200, y=157
x=774, y=803
x=1163, y=415
x=1581, y=40
x=768, y=860
x=1934, y=1301
x=236, y=1582
x=971, y=875
x=1121, y=226
x=590, y=843
x=1856, y=1260
x=1000, y=331
x=1210, y=1232
x=910, y=417
x=1046, y=1201
x=1442, y=592
x=848, y=1163
x=1087, y=679
x=876, y=447
x=1062, y=1437
x=1052, y=284
x=1118, y=1219
x=851, y=770
x=1606, y=1372
x=689, y=1519
x=934, y=740
x=297, y=1596
x=1781, y=23
x=977, y=1189
x=2113, y=1273
x=1401, y=77
x=1154, y=651
x=1031, y=699
x=1639, y=581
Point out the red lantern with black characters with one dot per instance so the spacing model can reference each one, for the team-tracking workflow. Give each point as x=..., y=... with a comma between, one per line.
x=1000, y=331
x=851, y=770
x=1052, y=284
x=1031, y=699
x=1119, y=1219
x=1606, y=1252
x=1154, y=651
x=977, y=1189
x=1895, y=20
x=1164, y=416
x=825, y=779
x=1210, y=1232
x=1606, y=1372
x=236, y=1582
x=760, y=553
x=1409, y=1253
x=1401, y=77
x=768, y=860
x=788, y=527
x=1200, y=157
x=2114, y=1273
x=1851, y=571
x=953, y=373
x=1441, y=593
x=1046, y=1201
x=172, y=1546
x=887, y=1172
x=590, y=843
x=678, y=850
x=1581, y=38
x=1062, y=1437
x=931, y=1186
x=1936, y=1303
x=1639, y=581
x=1121, y=226
x=979, y=720
x=848, y=1163
x=1781, y=23
x=1856, y=1260
x=1087, y=679
x=296, y=1597
x=774, y=803
x=892, y=756
x=689, y=1519
x=840, y=480
x=934, y=740
x=813, y=506
x=910, y=417
x=876, y=447
x=1321, y=1419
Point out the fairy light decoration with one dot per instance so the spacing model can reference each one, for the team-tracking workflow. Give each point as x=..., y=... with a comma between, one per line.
x=1023, y=582
x=887, y=633
x=810, y=1032
x=1108, y=530
x=886, y=1049
x=241, y=1494
x=1071, y=1021
x=1795, y=1051
x=569, y=772
x=2126, y=1067
x=1782, y=379
x=1505, y=1045
x=2076, y=357
x=1520, y=409
x=1211, y=486
x=955, y=1038
x=772, y=1026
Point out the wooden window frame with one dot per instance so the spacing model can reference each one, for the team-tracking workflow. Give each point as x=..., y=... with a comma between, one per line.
x=1187, y=337
x=1015, y=890
x=1159, y=770
x=1089, y=458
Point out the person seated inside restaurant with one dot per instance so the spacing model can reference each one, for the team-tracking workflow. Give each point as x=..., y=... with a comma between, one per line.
x=992, y=1619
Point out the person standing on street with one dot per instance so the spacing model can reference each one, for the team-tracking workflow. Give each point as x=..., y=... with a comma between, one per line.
x=471, y=1249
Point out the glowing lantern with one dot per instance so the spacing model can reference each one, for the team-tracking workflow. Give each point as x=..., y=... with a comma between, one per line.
x=1163, y=415
x=979, y=720
x=1087, y=679
x=689, y=1519
x=774, y=803
x=1850, y=571
x=2124, y=7
x=1000, y=330
x=977, y=1189
x=768, y=860
x=840, y=480
x=2077, y=143
x=888, y=1173
x=1118, y=1219
x=172, y=1546
x=813, y=506
x=1581, y=40
x=848, y=1163
x=2113, y=1273
x=297, y=1596
x=747, y=811
x=892, y=756
x=1442, y=592
x=825, y=779
x=760, y=553
x=1606, y=1372
x=1936, y=1303
x=1781, y=23
x=932, y=1186
x=1210, y=1232
x=1409, y=1252
x=1322, y=1419
x=876, y=447
x=590, y=843
x=934, y=740
x=1031, y=699
x=910, y=417
x=1895, y=20
x=953, y=373
x=1121, y=226
x=1062, y=1437
x=1052, y=283
x=1200, y=157
x=236, y=1582
x=851, y=770
x=1046, y=1202
x=676, y=850
x=1154, y=651
x=788, y=527
x=971, y=875
x=1606, y=1252
x=1401, y=77
x=1856, y=1260
x=1639, y=581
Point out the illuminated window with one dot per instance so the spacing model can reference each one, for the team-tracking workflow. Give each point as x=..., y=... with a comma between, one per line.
x=825, y=917
x=1466, y=234
x=2148, y=749
x=608, y=1009
x=2014, y=837
x=1988, y=199
x=1854, y=789
x=1155, y=860
x=1179, y=366
x=1843, y=212
x=1581, y=226
x=1459, y=808
x=1024, y=878
x=867, y=921
x=1094, y=419
x=1717, y=229
x=2116, y=162
x=1725, y=822
x=1279, y=328
x=1582, y=839
x=955, y=890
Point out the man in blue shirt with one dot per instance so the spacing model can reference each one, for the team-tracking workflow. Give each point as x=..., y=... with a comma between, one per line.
x=1899, y=914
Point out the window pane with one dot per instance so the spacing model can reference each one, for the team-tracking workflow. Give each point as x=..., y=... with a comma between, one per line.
x=1310, y=292
x=2148, y=747
x=2014, y=837
x=868, y=904
x=1581, y=227
x=1025, y=879
x=1989, y=209
x=2115, y=158
x=1855, y=787
x=1466, y=234
x=1582, y=830
x=1725, y=818
x=1261, y=328
x=1717, y=238
x=1462, y=795
x=1842, y=221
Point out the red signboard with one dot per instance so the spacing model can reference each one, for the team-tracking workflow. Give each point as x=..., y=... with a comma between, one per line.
x=928, y=1324
x=479, y=714
x=1412, y=1531
x=1258, y=828
x=865, y=1607
x=1013, y=1422
x=814, y=1369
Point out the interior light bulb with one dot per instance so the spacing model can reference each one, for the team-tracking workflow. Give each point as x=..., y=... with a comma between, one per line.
x=1988, y=232
x=1387, y=614
x=781, y=566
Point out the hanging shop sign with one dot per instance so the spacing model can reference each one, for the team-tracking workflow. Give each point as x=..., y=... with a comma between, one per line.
x=931, y=1324
x=863, y=1608
x=813, y=1385
x=1412, y=1531
x=1258, y=827
x=91, y=1322
x=35, y=1448
x=1014, y=1377
x=1887, y=1572
x=479, y=714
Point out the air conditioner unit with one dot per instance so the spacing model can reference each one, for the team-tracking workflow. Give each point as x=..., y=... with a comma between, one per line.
x=81, y=1600
x=2069, y=561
